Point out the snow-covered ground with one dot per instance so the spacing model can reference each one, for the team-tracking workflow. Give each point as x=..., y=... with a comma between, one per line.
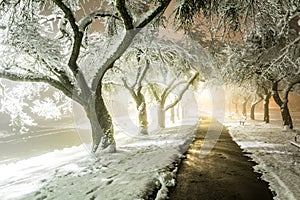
x=141, y=164
x=270, y=146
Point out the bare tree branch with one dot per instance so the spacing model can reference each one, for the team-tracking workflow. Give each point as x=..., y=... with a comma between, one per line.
x=153, y=13
x=131, y=31
x=113, y=83
x=45, y=79
x=173, y=87
x=78, y=36
x=127, y=19
x=151, y=86
x=68, y=13
x=137, y=76
x=166, y=90
x=182, y=92
x=88, y=19
x=130, y=89
x=142, y=76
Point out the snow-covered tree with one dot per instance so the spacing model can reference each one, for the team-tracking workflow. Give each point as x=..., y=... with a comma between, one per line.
x=137, y=72
x=179, y=64
x=275, y=41
x=269, y=54
x=22, y=101
x=130, y=72
x=50, y=41
x=162, y=94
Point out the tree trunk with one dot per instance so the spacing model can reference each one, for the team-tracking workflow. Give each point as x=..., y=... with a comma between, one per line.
x=142, y=115
x=244, y=109
x=244, y=106
x=139, y=98
x=101, y=123
x=236, y=107
x=252, y=111
x=283, y=105
x=266, y=107
x=172, y=117
x=286, y=116
x=141, y=108
x=161, y=115
x=178, y=112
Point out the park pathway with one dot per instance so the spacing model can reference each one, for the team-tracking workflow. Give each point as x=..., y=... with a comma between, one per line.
x=225, y=173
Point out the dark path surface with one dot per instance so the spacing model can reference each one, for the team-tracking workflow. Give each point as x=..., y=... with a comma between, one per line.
x=223, y=174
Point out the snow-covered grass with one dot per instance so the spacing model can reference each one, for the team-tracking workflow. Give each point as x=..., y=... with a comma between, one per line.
x=269, y=146
x=25, y=176
x=141, y=166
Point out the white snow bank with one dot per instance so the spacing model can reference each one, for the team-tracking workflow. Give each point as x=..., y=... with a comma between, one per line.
x=25, y=176
x=254, y=144
x=72, y=173
x=277, y=159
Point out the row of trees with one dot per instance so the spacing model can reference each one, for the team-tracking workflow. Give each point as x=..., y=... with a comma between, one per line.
x=267, y=63
x=162, y=71
x=55, y=42
x=28, y=27
x=44, y=41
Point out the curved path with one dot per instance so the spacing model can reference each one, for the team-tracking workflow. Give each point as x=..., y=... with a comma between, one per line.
x=225, y=173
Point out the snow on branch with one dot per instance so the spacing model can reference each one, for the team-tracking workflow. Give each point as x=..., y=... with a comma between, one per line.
x=130, y=89
x=153, y=90
x=85, y=21
x=13, y=102
x=78, y=37
x=142, y=76
x=128, y=21
x=18, y=100
x=68, y=14
x=152, y=14
x=26, y=78
x=41, y=79
x=52, y=108
x=182, y=91
x=114, y=51
x=124, y=39
x=168, y=89
x=173, y=87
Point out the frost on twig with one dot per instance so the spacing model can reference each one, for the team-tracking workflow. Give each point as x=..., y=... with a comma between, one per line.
x=18, y=102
